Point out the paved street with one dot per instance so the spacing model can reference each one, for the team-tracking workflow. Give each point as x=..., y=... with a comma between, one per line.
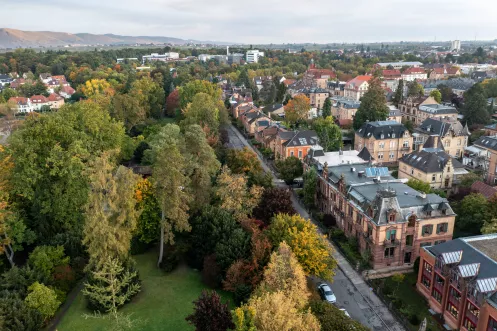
x=351, y=290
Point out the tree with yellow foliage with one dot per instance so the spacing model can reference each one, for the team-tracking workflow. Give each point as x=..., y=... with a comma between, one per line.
x=312, y=249
x=280, y=301
x=297, y=108
x=235, y=196
x=94, y=87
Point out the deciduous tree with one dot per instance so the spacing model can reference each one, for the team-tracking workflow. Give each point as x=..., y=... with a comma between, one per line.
x=170, y=180
x=310, y=186
x=437, y=95
x=329, y=134
x=274, y=201
x=475, y=106
x=297, y=108
x=373, y=105
x=203, y=111
x=235, y=197
x=210, y=314
x=172, y=103
x=311, y=249
x=43, y=299
x=332, y=319
x=290, y=168
x=127, y=109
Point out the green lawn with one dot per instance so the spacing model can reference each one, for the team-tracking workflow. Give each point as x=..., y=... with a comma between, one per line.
x=407, y=294
x=163, y=303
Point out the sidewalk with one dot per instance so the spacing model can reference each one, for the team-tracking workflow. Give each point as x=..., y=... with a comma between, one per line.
x=383, y=313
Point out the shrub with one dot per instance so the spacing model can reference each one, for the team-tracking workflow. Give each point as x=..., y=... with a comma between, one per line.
x=242, y=293
x=16, y=315
x=45, y=259
x=338, y=235
x=64, y=277
x=43, y=299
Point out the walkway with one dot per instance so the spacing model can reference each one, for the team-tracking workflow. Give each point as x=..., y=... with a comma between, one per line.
x=371, y=312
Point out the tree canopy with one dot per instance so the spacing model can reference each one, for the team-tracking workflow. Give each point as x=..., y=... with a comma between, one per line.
x=373, y=105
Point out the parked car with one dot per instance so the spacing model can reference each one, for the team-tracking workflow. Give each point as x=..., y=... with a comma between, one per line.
x=326, y=293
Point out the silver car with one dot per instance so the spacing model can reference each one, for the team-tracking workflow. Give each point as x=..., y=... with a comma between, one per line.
x=326, y=293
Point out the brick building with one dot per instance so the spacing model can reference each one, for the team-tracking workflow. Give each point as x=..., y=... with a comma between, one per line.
x=459, y=280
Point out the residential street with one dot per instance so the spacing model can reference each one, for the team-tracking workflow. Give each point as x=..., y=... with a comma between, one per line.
x=352, y=292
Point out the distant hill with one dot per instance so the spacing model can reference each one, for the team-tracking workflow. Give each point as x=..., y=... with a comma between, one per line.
x=12, y=38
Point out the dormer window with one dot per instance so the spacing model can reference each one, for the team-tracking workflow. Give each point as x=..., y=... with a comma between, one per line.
x=393, y=135
x=382, y=136
x=391, y=217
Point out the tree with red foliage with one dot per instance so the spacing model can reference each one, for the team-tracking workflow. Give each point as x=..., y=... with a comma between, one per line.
x=210, y=314
x=274, y=201
x=172, y=103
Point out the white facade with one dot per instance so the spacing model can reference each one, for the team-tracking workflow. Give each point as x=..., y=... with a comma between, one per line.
x=160, y=57
x=455, y=45
x=253, y=56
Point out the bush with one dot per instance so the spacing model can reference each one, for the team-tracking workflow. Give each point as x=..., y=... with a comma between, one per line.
x=172, y=257
x=242, y=294
x=338, y=235
x=43, y=299
x=64, y=277
x=45, y=259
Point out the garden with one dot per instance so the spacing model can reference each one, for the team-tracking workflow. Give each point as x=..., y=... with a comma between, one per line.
x=163, y=303
x=400, y=292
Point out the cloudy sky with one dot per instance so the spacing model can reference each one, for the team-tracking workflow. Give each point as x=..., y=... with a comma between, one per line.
x=261, y=21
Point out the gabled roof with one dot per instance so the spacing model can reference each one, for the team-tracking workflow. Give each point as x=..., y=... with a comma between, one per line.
x=272, y=107
x=302, y=138
x=433, y=143
x=440, y=127
x=54, y=97
x=381, y=130
x=486, y=190
x=452, y=70
x=429, y=162
x=391, y=73
x=413, y=71
x=365, y=154
x=38, y=99
x=20, y=100
x=487, y=142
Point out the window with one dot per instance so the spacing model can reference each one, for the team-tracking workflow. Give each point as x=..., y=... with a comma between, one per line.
x=380, y=156
x=433, y=178
x=492, y=324
x=389, y=252
x=427, y=230
x=291, y=153
x=425, y=244
x=470, y=326
x=442, y=228
x=382, y=145
x=454, y=294
x=393, y=136
x=382, y=136
x=439, y=242
x=406, y=134
x=409, y=240
x=391, y=234
x=447, y=143
x=452, y=309
x=406, y=144
x=412, y=171
x=426, y=281
x=473, y=310
x=427, y=267
x=459, y=142
x=392, y=142
x=392, y=155
x=436, y=295
x=300, y=154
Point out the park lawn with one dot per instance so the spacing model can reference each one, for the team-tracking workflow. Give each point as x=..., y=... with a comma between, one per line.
x=410, y=297
x=164, y=302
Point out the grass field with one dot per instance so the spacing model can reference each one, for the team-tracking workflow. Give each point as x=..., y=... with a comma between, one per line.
x=163, y=303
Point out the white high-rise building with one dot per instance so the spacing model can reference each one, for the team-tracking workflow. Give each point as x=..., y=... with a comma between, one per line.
x=455, y=45
x=253, y=56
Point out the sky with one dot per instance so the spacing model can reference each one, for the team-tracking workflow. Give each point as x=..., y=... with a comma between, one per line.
x=261, y=21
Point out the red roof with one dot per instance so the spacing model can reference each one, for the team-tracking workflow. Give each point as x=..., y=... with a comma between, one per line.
x=288, y=82
x=486, y=190
x=319, y=73
x=36, y=99
x=68, y=90
x=54, y=97
x=19, y=100
x=439, y=71
x=410, y=71
x=452, y=71
x=391, y=73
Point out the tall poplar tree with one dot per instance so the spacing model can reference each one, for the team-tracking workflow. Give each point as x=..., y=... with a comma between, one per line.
x=373, y=105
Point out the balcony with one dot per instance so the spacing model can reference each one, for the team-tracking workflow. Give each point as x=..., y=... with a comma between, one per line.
x=404, y=148
x=472, y=317
x=391, y=243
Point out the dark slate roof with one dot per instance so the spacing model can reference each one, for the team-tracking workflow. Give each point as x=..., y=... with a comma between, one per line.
x=438, y=109
x=303, y=138
x=272, y=108
x=365, y=154
x=440, y=127
x=487, y=142
x=314, y=90
x=286, y=134
x=5, y=77
x=430, y=144
x=455, y=83
x=314, y=152
x=379, y=128
x=252, y=115
x=429, y=161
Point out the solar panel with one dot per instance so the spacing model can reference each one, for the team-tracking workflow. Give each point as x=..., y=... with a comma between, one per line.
x=374, y=172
